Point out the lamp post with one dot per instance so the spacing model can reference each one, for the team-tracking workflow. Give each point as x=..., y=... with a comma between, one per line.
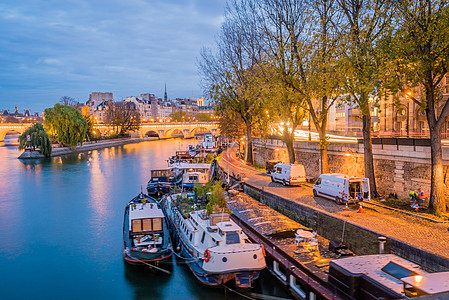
x=407, y=96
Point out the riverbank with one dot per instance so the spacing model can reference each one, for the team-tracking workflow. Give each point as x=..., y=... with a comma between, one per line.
x=417, y=239
x=87, y=146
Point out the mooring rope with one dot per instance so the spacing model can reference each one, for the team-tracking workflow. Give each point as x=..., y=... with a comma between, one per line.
x=240, y=294
x=150, y=265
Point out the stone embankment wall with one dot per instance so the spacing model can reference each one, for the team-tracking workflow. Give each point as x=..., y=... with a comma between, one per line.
x=398, y=168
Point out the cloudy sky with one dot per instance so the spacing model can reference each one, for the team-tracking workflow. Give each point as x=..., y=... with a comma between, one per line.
x=54, y=48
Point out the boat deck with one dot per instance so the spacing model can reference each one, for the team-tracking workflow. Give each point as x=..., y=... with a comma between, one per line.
x=277, y=234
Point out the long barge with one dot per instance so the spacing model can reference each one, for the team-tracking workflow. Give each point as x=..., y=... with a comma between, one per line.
x=324, y=274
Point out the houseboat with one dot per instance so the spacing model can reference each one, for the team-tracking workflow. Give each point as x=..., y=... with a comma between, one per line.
x=159, y=183
x=215, y=247
x=146, y=238
x=186, y=175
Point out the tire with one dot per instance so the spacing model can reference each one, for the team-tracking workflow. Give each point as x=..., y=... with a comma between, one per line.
x=315, y=193
x=283, y=182
x=338, y=200
x=272, y=179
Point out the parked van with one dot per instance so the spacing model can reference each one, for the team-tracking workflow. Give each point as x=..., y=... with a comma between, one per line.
x=291, y=174
x=342, y=188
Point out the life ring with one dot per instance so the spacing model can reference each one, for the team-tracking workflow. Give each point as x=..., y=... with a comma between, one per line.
x=206, y=255
x=263, y=250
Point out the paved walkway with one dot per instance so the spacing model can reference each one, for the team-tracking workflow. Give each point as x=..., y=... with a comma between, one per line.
x=429, y=236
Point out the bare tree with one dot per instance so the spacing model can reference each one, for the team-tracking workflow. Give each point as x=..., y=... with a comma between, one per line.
x=123, y=117
x=69, y=101
x=227, y=74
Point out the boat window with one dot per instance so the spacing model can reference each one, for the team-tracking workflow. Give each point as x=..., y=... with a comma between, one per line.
x=232, y=237
x=157, y=224
x=140, y=225
x=279, y=170
x=202, y=238
x=146, y=225
x=137, y=226
x=193, y=177
x=397, y=271
x=191, y=235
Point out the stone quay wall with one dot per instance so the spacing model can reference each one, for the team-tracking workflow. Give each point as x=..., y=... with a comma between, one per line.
x=398, y=168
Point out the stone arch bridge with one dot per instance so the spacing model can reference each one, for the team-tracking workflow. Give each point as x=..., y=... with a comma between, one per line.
x=168, y=130
x=161, y=130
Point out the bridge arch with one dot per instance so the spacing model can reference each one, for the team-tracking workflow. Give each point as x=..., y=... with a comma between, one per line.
x=174, y=131
x=200, y=129
x=152, y=133
x=4, y=132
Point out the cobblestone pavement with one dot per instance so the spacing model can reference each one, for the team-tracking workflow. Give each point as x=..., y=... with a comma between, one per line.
x=426, y=235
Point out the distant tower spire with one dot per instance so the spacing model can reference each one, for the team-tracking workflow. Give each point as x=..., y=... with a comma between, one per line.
x=165, y=94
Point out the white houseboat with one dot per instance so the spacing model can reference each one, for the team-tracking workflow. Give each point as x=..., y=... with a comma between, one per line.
x=216, y=249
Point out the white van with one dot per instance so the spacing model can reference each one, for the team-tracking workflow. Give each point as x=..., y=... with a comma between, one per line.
x=342, y=188
x=291, y=174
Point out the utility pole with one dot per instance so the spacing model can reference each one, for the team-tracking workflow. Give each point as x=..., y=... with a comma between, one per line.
x=227, y=144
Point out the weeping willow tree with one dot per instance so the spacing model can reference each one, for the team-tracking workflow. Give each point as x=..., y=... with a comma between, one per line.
x=66, y=125
x=38, y=139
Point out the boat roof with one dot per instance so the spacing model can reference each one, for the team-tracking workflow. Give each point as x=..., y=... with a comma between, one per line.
x=432, y=283
x=144, y=211
x=372, y=265
x=228, y=226
x=191, y=166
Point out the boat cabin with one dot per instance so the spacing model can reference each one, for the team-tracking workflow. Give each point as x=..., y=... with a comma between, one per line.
x=146, y=224
x=385, y=276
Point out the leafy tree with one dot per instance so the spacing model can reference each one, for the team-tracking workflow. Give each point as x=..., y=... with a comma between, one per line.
x=418, y=52
x=203, y=117
x=39, y=139
x=326, y=79
x=123, y=117
x=364, y=22
x=179, y=116
x=65, y=125
x=90, y=122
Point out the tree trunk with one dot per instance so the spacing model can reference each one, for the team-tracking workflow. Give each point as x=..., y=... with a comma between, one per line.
x=288, y=138
x=323, y=151
x=437, y=204
x=368, y=153
x=249, y=143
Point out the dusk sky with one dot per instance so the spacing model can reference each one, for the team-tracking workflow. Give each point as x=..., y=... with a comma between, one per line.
x=50, y=48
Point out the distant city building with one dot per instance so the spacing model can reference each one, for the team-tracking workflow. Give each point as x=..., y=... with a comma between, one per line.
x=151, y=108
x=16, y=116
x=98, y=105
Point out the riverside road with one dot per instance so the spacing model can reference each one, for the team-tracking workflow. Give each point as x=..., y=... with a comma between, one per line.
x=420, y=233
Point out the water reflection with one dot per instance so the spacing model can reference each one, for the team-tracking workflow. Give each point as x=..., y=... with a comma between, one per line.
x=61, y=223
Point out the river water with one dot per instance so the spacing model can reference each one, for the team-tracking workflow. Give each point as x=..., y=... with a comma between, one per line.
x=61, y=228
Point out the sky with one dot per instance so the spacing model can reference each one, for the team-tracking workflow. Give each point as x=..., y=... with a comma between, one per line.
x=55, y=48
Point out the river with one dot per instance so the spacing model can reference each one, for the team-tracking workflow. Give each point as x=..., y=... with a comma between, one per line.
x=61, y=228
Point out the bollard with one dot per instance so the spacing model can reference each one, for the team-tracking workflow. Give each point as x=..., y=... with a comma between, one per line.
x=382, y=241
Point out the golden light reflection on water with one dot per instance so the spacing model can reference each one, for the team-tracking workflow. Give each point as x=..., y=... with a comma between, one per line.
x=97, y=185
